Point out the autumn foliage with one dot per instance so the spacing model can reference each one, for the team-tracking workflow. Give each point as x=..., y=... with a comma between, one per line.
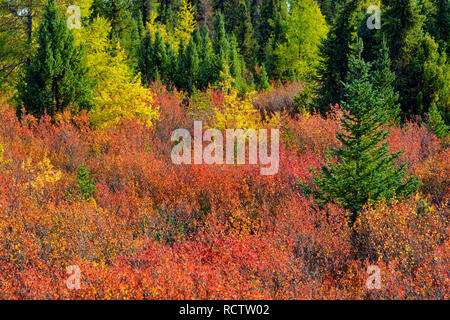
x=155, y=230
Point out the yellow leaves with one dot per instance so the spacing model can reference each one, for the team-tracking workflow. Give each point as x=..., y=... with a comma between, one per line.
x=84, y=5
x=153, y=27
x=3, y=162
x=185, y=25
x=121, y=96
x=240, y=112
x=43, y=174
x=118, y=93
x=241, y=222
x=185, y=22
x=237, y=113
x=274, y=121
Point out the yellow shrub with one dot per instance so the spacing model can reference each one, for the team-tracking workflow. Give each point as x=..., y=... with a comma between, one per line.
x=42, y=174
x=237, y=113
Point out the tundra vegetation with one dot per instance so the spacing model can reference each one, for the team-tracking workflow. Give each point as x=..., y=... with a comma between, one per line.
x=90, y=98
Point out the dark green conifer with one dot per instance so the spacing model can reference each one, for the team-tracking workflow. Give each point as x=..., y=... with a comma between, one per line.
x=365, y=169
x=56, y=78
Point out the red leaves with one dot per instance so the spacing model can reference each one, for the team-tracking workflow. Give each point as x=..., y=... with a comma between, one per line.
x=160, y=231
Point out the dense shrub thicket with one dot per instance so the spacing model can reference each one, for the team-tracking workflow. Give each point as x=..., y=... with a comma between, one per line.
x=155, y=230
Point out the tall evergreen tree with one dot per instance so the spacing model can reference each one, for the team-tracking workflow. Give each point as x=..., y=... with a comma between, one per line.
x=196, y=36
x=159, y=54
x=191, y=67
x=265, y=27
x=334, y=52
x=263, y=81
x=131, y=42
x=180, y=81
x=384, y=81
x=443, y=24
x=278, y=36
x=165, y=10
x=436, y=122
x=119, y=14
x=145, y=63
x=365, y=169
x=371, y=38
x=244, y=33
x=170, y=68
x=153, y=62
x=330, y=8
x=220, y=43
x=221, y=48
x=56, y=77
x=235, y=63
x=230, y=14
x=402, y=22
x=326, y=9
x=206, y=55
x=143, y=9
x=421, y=68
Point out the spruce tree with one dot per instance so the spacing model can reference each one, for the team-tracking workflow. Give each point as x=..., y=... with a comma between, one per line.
x=152, y=58
x=265, y=27
x=263, y=82
x=171, y=66
x=191, y=67
x=119, y=13
x=419, y=64
x=196, y=36
x=244, y=33
x=85, y=184
x=384, y=81
x=56, y=77
x=277, y=37
x=165, y=10
x=334, y=52
x=143, y=9
x=365, y=169
x=220, y=43
x=371, y=38
x=221, y=48
x=206, y=55
x=443, y=24
x=159, y=54
x=231, y=14
x=326, y=9
x=132, y=41
x=234, y=57
x=182, y=73
x=402, y=24
x=436, y=123
x=423, y=78
x=145, y=59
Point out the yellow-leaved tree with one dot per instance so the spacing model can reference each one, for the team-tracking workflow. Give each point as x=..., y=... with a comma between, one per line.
x=154, y=26
x=184, y=26
x=118, y=93
x=185, y=22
